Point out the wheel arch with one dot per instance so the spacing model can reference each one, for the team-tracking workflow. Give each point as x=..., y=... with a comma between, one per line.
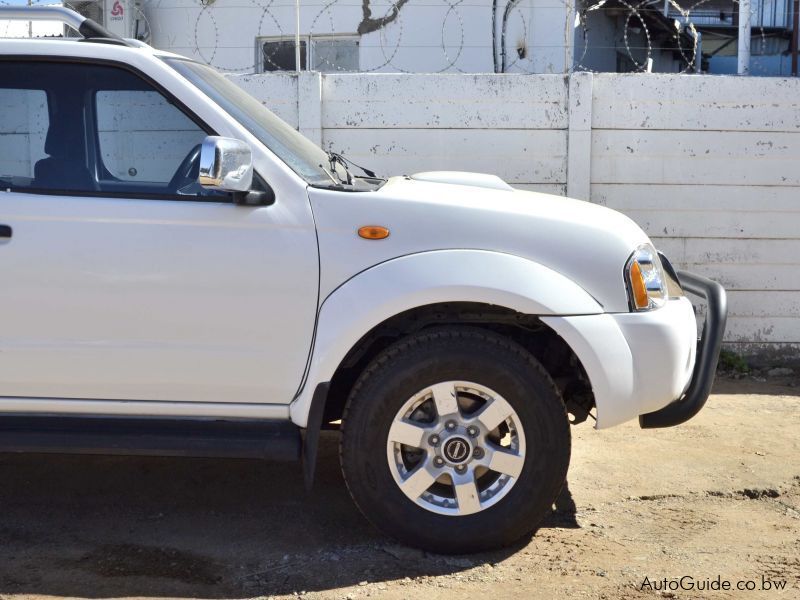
x=485, y=289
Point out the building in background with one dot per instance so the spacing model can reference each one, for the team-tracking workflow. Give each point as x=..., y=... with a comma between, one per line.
x=518, y=36
x=430, y=36
x=616, y=35
x=718, y=23
x=620, y=37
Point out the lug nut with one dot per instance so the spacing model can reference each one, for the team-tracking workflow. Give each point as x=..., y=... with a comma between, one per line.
x=478, y=453
x=473, y=431
x=461, y=468
x=438, y=461
x=433, y=440
x=450, y=425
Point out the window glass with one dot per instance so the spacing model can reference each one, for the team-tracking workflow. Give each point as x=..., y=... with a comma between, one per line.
x=77, y=128
x=279, y=55
x=334, y=54
x=23, y=126
x=328, y=54
x=142, y=138
x=297, y=151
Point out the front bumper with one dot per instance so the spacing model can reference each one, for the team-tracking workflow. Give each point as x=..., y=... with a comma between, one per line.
x=705, y=366
x=649, y=364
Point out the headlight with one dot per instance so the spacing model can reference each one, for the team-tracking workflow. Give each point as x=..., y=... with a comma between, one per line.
x=644, y=278
x=674, y=288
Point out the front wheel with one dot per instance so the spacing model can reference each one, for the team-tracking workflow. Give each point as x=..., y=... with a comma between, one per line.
x=455, y=440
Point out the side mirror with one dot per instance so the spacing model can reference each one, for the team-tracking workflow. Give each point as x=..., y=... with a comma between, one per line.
x=226, y=164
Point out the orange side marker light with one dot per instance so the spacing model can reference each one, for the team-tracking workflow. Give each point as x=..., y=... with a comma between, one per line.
x=373, y=232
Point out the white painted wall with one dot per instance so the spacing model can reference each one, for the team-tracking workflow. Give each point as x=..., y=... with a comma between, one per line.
x=427, y=35
x=708, y=166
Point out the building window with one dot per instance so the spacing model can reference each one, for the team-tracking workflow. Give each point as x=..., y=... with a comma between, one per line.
x=334, y=53
x=279, y=55
x=328, y=53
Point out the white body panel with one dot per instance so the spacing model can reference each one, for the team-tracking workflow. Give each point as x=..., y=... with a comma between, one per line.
x=154, y=300
x=134, y=408
x=492, y=182
x=586, y=243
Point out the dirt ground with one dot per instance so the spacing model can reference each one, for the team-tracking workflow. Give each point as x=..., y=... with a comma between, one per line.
x=719, y=496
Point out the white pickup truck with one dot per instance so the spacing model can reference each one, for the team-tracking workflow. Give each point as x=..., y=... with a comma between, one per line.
x=184, y=274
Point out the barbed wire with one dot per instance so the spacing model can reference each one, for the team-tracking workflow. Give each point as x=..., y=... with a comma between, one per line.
x=509, y=36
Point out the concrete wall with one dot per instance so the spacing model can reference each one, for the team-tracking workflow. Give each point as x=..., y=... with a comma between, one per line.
x=708, y=166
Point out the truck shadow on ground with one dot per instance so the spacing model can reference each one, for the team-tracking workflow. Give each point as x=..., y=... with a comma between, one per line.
x=122, y=526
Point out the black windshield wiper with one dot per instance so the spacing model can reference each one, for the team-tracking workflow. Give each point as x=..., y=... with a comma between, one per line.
x=333, y=160
x=335, y=157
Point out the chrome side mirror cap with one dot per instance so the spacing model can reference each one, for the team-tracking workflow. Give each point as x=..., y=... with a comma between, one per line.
x=226, y=164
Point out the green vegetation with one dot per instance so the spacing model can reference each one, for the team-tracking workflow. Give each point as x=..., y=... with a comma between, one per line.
x=730, y=361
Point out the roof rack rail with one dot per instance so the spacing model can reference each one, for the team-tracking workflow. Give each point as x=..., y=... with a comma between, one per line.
x=86, y=27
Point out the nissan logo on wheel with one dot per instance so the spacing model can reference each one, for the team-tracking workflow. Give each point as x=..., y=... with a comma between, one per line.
x=456, y=450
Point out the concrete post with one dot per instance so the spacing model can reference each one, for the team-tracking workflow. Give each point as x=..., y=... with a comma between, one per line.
x=569, y=38
x=309, y=105
x=579, y=136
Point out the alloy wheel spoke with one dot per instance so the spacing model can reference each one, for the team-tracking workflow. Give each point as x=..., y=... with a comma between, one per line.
x=419, y=481
x=467, y=494
x=407, y=433
x=494, y=413
x=507, y=463
x=444, y=396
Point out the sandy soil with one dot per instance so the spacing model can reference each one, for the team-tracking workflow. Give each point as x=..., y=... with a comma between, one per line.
x=719, y=496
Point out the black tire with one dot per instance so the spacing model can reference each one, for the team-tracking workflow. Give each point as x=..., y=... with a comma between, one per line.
x=443, y=354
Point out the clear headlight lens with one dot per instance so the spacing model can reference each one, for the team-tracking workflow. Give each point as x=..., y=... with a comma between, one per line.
x=644, y=277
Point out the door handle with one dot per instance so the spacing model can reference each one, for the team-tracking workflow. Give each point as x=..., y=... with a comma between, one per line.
x=5, y=232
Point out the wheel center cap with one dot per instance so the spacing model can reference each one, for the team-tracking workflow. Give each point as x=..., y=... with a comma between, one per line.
x=457, y=449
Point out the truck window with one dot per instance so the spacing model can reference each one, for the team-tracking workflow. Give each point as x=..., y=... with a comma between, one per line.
x=95, y=129
x=141, y=137
x=24, y=122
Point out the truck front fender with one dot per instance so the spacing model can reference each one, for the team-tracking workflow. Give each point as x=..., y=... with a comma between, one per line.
x=395, y=286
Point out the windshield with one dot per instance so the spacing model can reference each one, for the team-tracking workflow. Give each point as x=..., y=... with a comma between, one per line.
x=300, y=154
